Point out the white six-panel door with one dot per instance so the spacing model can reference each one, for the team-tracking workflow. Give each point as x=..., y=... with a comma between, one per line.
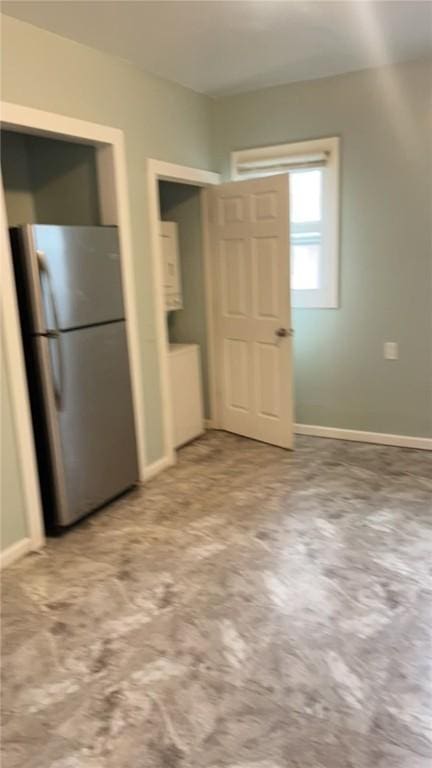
x=249, y=237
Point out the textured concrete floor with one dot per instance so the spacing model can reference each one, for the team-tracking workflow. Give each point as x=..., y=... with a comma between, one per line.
x=250, y=608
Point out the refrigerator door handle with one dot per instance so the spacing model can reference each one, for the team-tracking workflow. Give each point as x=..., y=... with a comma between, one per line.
x=54, y=333
x=52, y=421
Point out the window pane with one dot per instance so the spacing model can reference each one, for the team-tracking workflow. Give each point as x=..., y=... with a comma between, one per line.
x=305, y=236
x=305, y=195
x=305, y=267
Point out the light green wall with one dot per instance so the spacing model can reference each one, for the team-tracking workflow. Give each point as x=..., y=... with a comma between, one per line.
x=64, y=179
x=159, y=119
x=384, y=121
x=19, y=198
x=181, y=203
x=48, y=181
x=13, y=526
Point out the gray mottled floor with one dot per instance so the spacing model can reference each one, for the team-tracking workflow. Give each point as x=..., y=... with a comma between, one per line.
x=250, y=608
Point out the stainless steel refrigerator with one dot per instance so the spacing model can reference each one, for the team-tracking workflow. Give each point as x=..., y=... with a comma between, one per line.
x=74, y=333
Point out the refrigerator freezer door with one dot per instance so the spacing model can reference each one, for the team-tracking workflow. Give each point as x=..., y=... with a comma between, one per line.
x=74, y=275
x=96, y=424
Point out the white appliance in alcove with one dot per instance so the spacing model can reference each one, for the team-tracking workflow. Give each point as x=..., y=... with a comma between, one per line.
x=186, y=392
x=184, y=359
x=171, y=265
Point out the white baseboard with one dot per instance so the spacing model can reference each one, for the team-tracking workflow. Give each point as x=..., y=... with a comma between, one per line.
x=158, y=466
x=209, y=424
x=14, y=552
x=380, y=438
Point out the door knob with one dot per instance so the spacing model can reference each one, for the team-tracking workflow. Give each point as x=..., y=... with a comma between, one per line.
x=282, y=332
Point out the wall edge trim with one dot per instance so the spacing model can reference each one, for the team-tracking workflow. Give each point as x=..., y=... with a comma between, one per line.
x=15, y=551
x=379, y=438
x=158, y=466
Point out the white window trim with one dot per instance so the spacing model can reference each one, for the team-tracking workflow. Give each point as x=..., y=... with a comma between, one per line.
x=327, y=296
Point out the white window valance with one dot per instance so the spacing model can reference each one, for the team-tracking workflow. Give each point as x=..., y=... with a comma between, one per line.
x=282, y=164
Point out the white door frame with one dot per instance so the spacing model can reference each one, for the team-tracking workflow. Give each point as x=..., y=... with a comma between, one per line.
x=157, y=170
x=113, y=197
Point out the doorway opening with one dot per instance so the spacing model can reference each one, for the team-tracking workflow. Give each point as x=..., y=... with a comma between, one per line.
x=69, y=289
x=81, y=155
x=181, y=269
x=245, y=242
x=181, y=233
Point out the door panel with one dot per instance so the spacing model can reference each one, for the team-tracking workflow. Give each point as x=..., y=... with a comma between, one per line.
x=234, y=278
x=265, y=276
x=231, y=210
x=237, y=374
x=267, y=376
x=264, y=206
x=249, y=235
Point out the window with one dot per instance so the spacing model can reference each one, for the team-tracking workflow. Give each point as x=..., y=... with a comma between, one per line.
x=313, y=167
x=306, y=228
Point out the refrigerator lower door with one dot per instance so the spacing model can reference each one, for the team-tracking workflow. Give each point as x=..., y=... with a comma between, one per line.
x=43, y=380
x=95, y=425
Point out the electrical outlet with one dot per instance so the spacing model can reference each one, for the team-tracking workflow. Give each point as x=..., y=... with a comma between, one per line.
x=391, y=350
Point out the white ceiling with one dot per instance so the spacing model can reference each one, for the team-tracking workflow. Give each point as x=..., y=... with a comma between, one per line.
x=222, y=47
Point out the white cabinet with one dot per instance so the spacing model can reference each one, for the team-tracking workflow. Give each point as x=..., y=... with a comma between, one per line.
x=186, y=392
x=171, y=265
